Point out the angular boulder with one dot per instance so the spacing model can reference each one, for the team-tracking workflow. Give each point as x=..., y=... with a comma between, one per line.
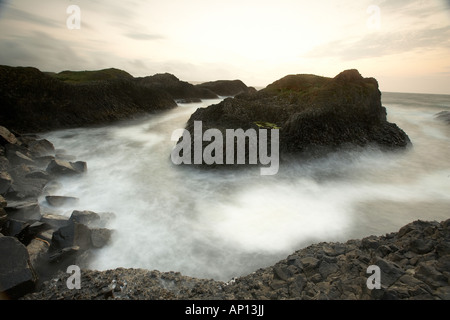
x=60, y=201
x=17, y=276
x=5, y=182
x=73, y=234
x=85, y=217
x=24, y=210
x=6, y=136
x=61, y=167
x=100, y=237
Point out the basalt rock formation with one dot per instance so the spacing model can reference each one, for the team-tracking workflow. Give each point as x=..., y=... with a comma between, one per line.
x=33, y=101
x=34, y=242
x=414, y=264
x=313, y=114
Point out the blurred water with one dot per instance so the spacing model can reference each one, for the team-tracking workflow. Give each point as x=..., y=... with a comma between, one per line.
x=222, y=224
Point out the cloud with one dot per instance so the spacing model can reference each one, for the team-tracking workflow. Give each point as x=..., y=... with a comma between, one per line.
x=143, y=36
x=39, y=49
x=21, y=15
x=380, y=44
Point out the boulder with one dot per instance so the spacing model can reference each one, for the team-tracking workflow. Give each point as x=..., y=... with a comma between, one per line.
x=5, y=182
x=60, y=201
x=27, y=181
x=73, y=234
x=17, y=158
x=61, y=167
x=37, y=249
x=54, y=220
x=6, y=137
x=41, y=148
x=17, y=276
x=24, y=210
x=100, y=237
x=85, y=217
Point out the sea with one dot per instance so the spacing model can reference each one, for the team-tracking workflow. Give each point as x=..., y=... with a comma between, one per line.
x=221, y=224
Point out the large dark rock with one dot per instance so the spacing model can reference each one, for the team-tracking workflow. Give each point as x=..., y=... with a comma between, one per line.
x=85, y=217
x=59, y=201
x=70, y=235
x=61, y=167
x=17, y=276
x=6, y=136
x=227, y=87
x=33, y=101
x=313, y=114
x=27, y=182
x=24, y=210
x=5, y=182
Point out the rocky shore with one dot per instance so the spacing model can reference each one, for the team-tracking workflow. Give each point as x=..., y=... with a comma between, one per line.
x=36, y=238
x=414, y=264
x=38, y=242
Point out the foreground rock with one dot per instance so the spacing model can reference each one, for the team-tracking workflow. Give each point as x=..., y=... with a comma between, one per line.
x=414, y=264
x=313, y=114
x=17, y=276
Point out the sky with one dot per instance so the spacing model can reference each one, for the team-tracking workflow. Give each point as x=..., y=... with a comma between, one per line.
x=404, y=44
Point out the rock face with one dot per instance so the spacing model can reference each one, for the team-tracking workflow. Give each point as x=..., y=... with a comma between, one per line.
x=33, y=101
x=313, y=114
x=178, y=90
x=414, y=263
x=227, y=87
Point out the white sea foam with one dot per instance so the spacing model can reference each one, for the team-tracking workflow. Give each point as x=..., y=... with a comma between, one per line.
x=222, y=224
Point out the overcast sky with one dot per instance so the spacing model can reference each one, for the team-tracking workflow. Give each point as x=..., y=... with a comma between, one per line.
x=404, y=44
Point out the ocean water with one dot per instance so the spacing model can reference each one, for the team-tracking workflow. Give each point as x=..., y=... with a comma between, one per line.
x=224, y=224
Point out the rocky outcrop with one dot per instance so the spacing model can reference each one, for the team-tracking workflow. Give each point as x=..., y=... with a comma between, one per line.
x=227, y=88
x=179, y=90
x=33, y=101
x=313, y=114
x=414, y=263
x=34, y=243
